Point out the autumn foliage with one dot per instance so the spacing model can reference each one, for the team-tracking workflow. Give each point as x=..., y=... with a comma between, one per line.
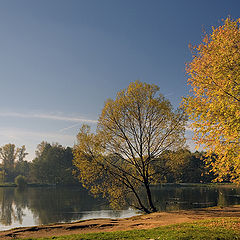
x=121, y=160
x=214, y=103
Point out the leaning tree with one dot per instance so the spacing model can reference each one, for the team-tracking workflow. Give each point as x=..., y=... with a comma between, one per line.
x=120, y=160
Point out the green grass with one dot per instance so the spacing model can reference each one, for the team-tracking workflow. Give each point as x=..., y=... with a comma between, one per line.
x=214, y=229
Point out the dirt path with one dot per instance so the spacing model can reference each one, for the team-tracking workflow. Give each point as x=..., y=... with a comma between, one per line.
x=139, y=222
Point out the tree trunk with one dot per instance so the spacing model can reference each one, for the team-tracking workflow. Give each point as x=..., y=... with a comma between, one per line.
x=142, y=207
x=149, y=198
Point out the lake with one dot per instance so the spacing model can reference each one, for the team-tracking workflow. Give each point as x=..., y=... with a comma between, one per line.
x=35, y=206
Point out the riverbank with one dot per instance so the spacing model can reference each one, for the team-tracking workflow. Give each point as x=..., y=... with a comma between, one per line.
x=47, y=185
x=147, y=221
x=12, y=184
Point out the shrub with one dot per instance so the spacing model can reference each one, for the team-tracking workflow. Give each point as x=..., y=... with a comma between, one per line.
x=21, y=181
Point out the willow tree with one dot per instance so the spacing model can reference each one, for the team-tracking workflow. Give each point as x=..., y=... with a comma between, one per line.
x=120, y=160
x=214, y=104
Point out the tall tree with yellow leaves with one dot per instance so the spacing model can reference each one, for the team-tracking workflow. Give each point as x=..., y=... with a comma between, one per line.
x=119, y=161
x=214, y=103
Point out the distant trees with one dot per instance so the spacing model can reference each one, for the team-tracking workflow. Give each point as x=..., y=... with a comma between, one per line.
x=133, y=131
x=183, y=166
x=214, y=104
x=52, y=165
x=22, y=167
x=12, y=158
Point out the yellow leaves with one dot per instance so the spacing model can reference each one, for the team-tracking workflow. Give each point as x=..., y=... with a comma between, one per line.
x=133, y=129
x=214, y=106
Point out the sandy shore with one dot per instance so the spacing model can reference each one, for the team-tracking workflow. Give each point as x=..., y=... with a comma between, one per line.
x=106, y=225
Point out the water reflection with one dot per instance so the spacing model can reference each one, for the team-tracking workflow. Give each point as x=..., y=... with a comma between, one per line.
x=32, y=206
x=11, y=206
x=170, y=198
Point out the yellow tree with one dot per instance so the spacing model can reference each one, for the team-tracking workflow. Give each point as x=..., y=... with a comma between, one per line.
x=214, y=104
x=119, y=161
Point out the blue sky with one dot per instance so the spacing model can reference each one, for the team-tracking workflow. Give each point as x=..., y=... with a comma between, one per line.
x=60, y=60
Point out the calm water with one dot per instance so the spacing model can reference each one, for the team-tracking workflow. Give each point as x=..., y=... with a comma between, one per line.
x=35, y=206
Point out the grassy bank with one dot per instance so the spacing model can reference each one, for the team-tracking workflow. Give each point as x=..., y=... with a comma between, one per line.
x=221, y=228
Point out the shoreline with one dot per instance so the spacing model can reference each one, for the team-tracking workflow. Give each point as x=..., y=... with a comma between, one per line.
x=146, y=221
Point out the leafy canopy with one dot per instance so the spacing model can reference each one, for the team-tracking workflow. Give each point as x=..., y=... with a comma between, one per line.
x=119, y=161
x=214, y=104
x=11, y=158
x=53, y=164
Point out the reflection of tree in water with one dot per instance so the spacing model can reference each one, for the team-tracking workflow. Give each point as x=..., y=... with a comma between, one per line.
x=228, y=195
x=175, y=198
x=11, y=206
x=48, y=205
x=66, y=204
x=61, y=204
x=6, y=201
x=21, y=202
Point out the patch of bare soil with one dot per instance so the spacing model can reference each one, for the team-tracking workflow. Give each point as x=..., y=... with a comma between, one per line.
x=106, y=225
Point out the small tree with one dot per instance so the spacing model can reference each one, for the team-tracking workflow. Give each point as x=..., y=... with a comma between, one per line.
x=21, y=181
x=214, y=106
x=133, y=130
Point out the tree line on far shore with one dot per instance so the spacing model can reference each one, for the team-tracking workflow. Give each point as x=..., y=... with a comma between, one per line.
x=53, y=164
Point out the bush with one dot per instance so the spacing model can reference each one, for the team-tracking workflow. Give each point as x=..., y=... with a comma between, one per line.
x=21, y=181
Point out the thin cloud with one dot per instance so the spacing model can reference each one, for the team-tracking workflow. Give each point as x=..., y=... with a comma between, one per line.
x=169, y=94
x=32, y=138
x=23, y=134
x=47, y=116
x=70, y=127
